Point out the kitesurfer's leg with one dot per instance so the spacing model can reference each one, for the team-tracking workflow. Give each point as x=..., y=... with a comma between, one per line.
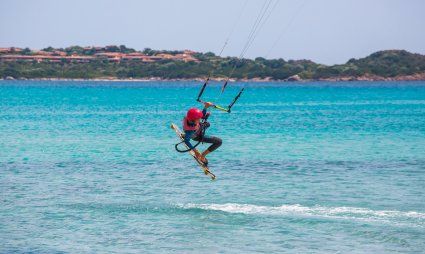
x=215, y=141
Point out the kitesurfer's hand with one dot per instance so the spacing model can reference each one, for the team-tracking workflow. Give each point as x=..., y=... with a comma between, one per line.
x=208, y=104
x=206, y=124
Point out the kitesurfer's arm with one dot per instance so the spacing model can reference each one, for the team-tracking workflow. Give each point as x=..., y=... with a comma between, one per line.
x=206, y=105
x=187, y=137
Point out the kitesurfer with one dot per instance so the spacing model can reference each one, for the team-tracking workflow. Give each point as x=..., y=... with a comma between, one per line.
x=193, y=129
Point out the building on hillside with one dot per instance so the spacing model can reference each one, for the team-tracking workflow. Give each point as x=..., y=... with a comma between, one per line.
x=12, y=58
x=189, y=52
x=186, y=58
x=110, y=56
x=138, y=57
x=178, y=57
x=10, y=50
x=78, y=59
x=44, y=58
x=42, y=53
x=59, y=53
x=164, y=56
x=60, y=56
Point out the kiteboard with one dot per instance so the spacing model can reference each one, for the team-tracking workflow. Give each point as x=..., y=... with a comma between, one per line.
x=192, y=152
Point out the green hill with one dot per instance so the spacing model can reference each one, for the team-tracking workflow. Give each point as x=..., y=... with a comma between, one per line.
x=387, y=63
x=92, y=64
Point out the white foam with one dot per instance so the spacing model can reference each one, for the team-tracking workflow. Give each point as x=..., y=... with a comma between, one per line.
x=316, y=211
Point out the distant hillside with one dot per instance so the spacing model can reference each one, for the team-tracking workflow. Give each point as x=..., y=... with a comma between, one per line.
x=120, y=62
x=386, y=64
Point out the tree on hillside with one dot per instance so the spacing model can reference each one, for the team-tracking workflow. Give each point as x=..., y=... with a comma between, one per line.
x=26, y=51
x=48, y=49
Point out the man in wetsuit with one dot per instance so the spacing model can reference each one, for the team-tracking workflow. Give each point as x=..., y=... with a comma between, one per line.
x=193, y=130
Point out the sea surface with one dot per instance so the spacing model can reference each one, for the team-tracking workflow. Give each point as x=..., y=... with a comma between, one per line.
x=90, y=167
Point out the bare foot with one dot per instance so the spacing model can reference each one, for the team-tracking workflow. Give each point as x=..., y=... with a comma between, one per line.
x=203, y=159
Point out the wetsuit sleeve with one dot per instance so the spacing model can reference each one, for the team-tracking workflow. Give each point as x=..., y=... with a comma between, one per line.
x=204, y=112
x=187, y=136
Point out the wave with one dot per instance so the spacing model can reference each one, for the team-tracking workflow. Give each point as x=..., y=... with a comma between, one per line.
x=316, y=211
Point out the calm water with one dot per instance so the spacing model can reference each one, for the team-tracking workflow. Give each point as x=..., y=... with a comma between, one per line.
x=90, y=167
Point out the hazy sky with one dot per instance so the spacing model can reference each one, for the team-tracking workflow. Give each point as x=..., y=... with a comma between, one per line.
x=325, y=31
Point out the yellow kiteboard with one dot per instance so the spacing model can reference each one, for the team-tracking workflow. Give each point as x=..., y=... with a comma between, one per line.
x=192, y=153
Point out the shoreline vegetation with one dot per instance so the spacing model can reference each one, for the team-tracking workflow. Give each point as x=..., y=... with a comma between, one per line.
x=119, y=63
x=255, y=80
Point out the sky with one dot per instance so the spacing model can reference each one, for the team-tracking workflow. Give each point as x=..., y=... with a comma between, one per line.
x=325, y=31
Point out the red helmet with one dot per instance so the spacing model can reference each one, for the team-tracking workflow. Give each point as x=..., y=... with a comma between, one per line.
x=193, y=114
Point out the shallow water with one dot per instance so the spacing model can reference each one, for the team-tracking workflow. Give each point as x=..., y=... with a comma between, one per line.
x=304, y=168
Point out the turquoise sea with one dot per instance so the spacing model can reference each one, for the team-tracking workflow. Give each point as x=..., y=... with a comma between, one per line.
x=90, y=167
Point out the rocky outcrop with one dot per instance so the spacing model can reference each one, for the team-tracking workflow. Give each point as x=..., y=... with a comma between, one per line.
x=294, y=78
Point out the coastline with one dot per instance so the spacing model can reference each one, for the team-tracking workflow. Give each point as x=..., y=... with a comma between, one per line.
x=108, y=64
x=296, y=78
